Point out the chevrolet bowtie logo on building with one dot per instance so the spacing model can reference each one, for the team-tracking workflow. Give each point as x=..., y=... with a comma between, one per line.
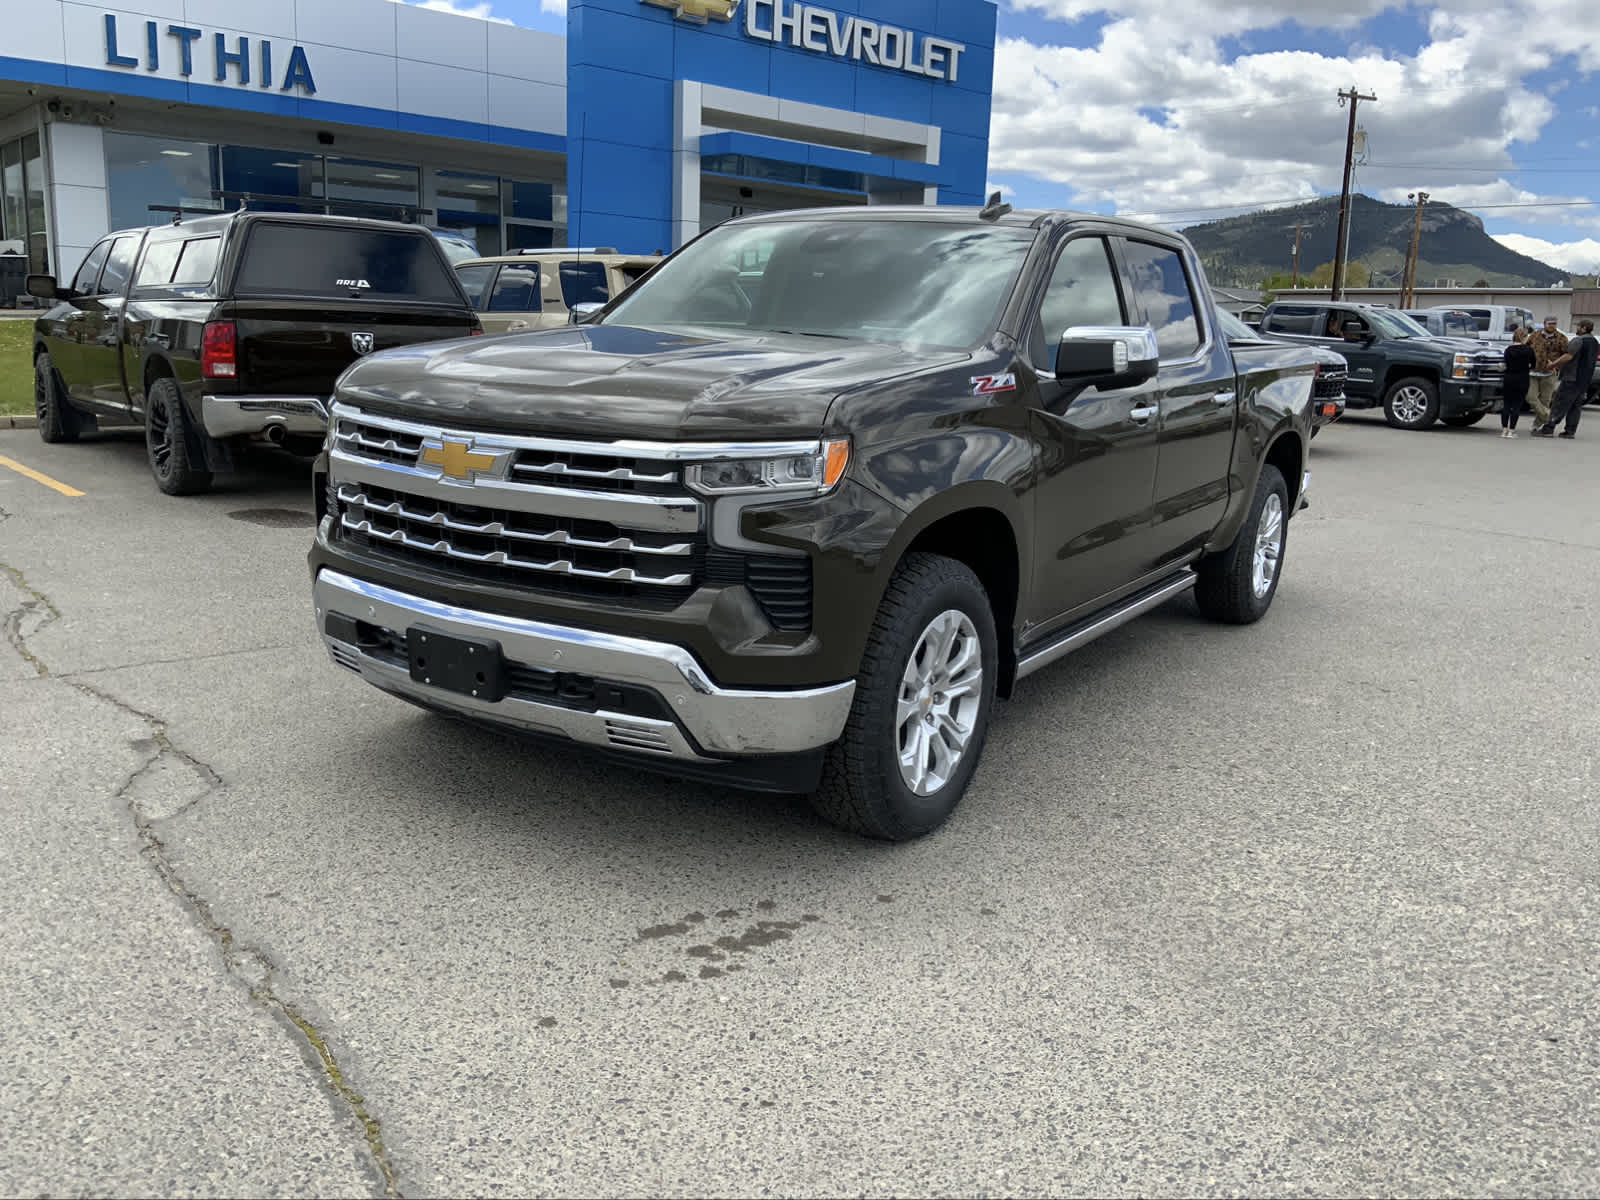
x=459, y=461
x=699, y=10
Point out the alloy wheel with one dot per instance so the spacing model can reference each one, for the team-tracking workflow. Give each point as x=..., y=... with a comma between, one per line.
x=1269, y=546
x=941, y=694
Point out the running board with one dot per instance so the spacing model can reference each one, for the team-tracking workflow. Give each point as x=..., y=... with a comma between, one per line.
x=1086, y=632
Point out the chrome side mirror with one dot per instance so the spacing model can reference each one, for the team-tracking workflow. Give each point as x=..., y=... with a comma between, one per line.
x=1108, y=355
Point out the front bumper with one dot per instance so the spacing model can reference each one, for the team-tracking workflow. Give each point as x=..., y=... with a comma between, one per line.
x=699, y=722
x=1458, y=397
x=230, y=416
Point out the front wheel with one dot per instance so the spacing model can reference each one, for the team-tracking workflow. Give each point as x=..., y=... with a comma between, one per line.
x=1463, y=420
x=1237, y=585
x=58, y=420
x=921, y=709
x=1412, y=403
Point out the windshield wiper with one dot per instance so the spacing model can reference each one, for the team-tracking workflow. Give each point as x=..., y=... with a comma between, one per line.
x=840, y=337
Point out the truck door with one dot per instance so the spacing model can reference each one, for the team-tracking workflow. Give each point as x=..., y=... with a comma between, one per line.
x=1195, y=389
x=1097, y=451
x=69, y=322
x=108, y=391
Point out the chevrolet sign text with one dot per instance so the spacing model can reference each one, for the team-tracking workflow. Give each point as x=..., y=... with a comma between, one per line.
x=827, y=32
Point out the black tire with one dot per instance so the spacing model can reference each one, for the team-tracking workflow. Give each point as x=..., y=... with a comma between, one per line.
x=1411, y=403
x=863, y=788
x=1463, y=420
x=58, y=420
x=1227, y=588
x=167, y=442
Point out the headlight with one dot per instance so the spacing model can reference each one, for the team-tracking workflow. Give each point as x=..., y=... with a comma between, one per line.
x=811, y=473
x=1462, y=367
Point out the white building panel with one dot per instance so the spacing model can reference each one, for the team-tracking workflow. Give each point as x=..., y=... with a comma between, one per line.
x=82, y=217
x=518, y=104
x=34, y=31
x=352, y=76
x=78, y=155
x=254, y=18
x=527, y=54
x=367, y=25
x=444, y=38
x=442, y=91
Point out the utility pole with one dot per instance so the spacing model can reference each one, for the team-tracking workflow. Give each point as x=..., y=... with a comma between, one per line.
x=1408, y=282
x=1354, y=97
x=1297, y=230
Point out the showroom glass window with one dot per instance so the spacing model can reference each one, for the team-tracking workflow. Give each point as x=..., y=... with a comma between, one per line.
x=22, y=208
x=535, y=214
x=143, y=170
x=469, y=205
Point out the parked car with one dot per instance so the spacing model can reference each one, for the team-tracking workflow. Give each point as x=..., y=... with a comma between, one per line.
x=1493, y=322
x=231, y=327
x=457, y=247
x=539, y=289
x=803, y=546
x=1417, y=378
x=1446, y=323
x=1327, y=394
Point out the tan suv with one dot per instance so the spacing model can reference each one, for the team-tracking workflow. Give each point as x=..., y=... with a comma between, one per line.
x=536, y=289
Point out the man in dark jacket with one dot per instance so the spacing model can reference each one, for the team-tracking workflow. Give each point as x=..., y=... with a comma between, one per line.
x=1576, y=368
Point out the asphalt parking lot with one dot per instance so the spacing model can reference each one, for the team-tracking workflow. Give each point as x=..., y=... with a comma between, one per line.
x=1304, y=908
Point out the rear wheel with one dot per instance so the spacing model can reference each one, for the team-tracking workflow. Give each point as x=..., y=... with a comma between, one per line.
x=1463, y=420
x=1237, y=585
x=1412, y=403
x=921, y=709
x=58, y=420
x=166, y=439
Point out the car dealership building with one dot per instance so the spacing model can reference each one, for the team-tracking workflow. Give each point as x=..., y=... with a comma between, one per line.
x=648, y=121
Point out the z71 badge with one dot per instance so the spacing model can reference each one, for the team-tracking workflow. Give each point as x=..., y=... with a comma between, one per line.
x=988, y=385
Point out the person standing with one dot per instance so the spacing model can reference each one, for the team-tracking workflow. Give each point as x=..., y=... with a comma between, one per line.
x=1548, y=344
x=1519, y=362
x=1577, y=372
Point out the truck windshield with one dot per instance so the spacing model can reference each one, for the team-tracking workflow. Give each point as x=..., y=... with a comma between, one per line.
x=904, y=281
x=283, y=259
x=1395, y=324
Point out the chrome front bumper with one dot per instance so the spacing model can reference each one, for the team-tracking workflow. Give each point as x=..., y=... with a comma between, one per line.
x=229, y=416
x=710, y=721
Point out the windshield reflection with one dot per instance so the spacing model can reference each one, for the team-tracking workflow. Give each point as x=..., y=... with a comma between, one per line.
x=906, y=281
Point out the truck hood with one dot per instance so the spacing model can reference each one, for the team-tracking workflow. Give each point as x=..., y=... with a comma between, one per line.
x=614, y=381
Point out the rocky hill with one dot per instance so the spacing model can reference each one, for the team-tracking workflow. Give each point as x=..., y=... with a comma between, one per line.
x=1244, y=251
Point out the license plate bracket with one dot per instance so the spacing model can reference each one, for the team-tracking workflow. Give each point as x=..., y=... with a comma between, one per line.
x=469, y=666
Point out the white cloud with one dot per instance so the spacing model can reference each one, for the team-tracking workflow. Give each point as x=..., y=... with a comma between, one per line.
x=483, y=11
x=991, y=187
x=1580, y=257
x=1267, y=127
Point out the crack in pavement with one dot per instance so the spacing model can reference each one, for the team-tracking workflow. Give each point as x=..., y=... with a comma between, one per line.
x=250, y=966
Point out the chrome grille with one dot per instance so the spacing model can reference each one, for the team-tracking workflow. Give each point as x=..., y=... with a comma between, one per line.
x=1329, y=384
x=610, y=520
x=518, y=541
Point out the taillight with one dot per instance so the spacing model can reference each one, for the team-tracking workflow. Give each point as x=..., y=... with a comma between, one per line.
x=477, y=332
x=219, y=350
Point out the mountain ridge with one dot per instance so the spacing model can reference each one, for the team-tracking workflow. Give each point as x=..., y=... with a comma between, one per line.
x=1247, y=250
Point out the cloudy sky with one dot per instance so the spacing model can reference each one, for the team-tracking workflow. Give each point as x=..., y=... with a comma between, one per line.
x=1186, y=110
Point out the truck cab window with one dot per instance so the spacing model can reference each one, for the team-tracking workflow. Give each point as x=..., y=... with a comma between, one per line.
x=475, y=281
x=198, y=261
x=118, y=266
x=1293, y=318
x=584, y=283
x=1161, y=288
x=1082, y=291
x=155, y=268
x=83, y=283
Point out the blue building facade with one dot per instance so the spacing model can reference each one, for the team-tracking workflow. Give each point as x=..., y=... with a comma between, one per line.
x=646, y=122
x=679, y=113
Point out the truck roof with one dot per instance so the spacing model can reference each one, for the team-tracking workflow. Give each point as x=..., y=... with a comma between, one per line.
x=216, y=222
x=1026, y=218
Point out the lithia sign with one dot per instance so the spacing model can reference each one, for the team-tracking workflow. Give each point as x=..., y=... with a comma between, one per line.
x=824, y=31
x=230, y=64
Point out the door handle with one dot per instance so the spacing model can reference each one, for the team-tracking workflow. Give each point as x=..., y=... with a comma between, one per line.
x=1222, y=398
x=1143, y=413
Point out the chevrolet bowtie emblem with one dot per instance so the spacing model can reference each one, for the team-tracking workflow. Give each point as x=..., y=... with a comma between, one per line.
x=698, y=10
x=458, y=460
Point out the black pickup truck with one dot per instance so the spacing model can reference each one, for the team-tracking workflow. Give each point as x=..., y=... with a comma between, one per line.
x=801, y=541
x=1395, y=363
x=218, y=329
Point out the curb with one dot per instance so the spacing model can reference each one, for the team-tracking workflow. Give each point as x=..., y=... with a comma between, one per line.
x=19, y=422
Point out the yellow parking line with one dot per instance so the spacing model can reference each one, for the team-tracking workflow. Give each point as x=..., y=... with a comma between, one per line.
x=38, y=478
